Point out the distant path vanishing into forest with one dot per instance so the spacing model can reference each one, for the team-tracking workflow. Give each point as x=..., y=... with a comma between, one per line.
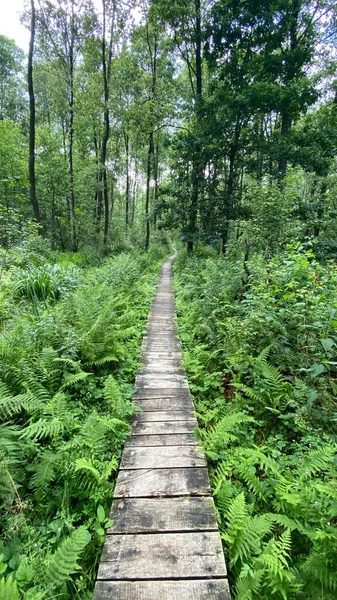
x=165, y=543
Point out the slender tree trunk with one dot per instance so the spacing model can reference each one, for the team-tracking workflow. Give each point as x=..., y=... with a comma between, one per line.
x=127, y=190
x=71, y=193
x=106, y=66
x=150, y=156
x=148, y=180
x=134, y=195
x=32, y=180
x=197, y=165
x=286, y=118
x=156, y=182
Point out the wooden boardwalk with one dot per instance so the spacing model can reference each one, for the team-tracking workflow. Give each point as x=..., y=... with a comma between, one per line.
x=165, y=543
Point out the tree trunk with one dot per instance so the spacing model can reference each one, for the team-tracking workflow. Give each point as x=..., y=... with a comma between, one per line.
x=148, y=179
x=71, y=195
x=106, y=66
x=150, y=155
x=127, y=190
x=286, y=117
x=197, y=167
x=31, y=165
x=156, y=182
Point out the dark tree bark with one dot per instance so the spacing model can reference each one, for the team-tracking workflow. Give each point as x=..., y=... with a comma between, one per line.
x=150, y=156
x=31, y=165
x=286, y=117
x=70, y=85
x=197, y=171
x=103, y=192
x=127, y=190
x=156, y=181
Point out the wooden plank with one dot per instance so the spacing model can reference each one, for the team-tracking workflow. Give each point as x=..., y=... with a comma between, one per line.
x=166, y=370
x=165, y=555
x=210, y=589
x=162, y=404
x=144, y=515
x=163, y=427
x=165, y=415
x=161, y=393
x=179, y=439
x=166, y=352
x=150, y=383
x=143, y=483
x=162, y=457
x=157, y=362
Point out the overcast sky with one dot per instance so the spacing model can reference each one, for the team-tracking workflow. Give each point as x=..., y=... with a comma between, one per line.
x=10, y=25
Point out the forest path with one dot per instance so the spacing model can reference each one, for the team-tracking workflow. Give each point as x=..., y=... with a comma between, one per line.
x=165, y=543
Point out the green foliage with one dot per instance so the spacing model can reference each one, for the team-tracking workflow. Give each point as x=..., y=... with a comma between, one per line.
x=260, y=356
x=43, y=283
x=69, y=352
x=64, y=561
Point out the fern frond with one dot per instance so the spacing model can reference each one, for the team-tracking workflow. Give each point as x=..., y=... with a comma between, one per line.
x=64, y=562
x=72, y=378
x=317, y=568
x=318, y=460
x=9, y=589
x=44, y=428
x=99, y=362
x=45, y=470
x=82, y=464
x=219, y=436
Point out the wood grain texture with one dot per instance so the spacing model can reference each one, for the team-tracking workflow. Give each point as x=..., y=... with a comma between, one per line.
x=217, y=589
x=165, y=415
x=167, y=555
x=160, y=392
x=144, y=515
x=165, y=404
x=163, y=427
x=141, y=483
x=162, y=457
x=173, y=439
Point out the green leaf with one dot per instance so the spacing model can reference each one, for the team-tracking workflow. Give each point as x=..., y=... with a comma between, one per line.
x=327, y=344
x=100, y=513
x=316, y=370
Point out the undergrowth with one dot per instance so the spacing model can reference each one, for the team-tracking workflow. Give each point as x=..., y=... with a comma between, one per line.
x=260, y=353
x=69, y=348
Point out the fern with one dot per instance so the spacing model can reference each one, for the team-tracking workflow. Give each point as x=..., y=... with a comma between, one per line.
x=9, y=589
x=45, y=470
x=113, y=396
x=219, y=436
x=64, y=562
x=71, y=379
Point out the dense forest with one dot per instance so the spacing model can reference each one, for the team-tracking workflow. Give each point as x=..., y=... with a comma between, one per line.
x=128, y=127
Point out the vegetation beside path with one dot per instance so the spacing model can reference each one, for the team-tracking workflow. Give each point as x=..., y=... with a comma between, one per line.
x=69, y=347
x=260, y=354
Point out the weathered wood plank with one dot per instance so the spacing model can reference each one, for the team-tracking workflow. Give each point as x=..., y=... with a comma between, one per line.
x=162, y=457
x=216, y=589
x=165, y=415
x=142, y=483
x=162, y=404
x=163, y=427
x=154, y=370
x=166, y=555
x=161, y=393
x=144, y=515
x=149, y=383
x=179, y=439
x=160, y=363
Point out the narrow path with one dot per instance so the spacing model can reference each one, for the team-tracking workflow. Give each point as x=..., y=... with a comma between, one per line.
x=165, y=543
